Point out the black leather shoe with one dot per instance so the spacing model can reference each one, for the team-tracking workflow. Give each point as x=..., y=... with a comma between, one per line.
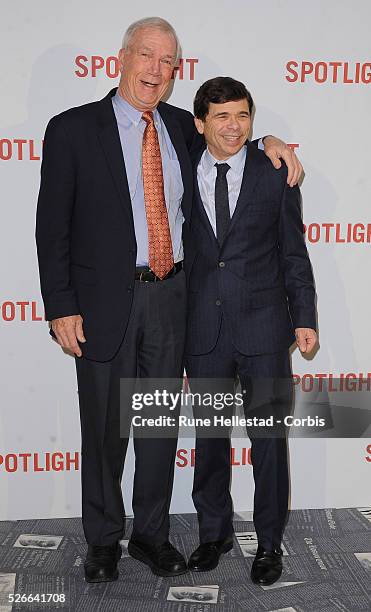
x=164, y=560
x=206, y=556
x=267, y=566
x=101, y=563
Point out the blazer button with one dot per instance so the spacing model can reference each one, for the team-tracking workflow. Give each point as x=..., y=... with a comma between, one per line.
x=218, y=303
x=130, y=288
x=221, y=264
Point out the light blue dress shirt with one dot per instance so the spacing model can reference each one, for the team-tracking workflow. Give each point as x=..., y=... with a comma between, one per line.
x=131, y=129
x=206, y=176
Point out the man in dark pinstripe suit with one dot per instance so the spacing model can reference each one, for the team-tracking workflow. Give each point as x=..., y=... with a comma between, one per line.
x=251, y=294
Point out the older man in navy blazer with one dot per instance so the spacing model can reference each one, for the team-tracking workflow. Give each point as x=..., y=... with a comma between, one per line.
x=251, y=293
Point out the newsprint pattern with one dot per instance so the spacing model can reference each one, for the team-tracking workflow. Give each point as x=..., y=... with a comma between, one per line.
x=327, y=568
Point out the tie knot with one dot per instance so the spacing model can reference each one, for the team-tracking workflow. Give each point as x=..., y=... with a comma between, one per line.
x=222, y=169
x=148, y=117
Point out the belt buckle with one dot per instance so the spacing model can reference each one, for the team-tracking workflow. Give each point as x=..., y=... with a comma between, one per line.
x=141, y=280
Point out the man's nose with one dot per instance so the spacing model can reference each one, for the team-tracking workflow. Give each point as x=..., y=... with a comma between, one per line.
x=233, y=123
x=155, y=66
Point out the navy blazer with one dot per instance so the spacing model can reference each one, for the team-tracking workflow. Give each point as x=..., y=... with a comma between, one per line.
x=260, y=279
x=84, y=230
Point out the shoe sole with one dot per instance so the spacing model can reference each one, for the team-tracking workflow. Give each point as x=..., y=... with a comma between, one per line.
x=225, y=550
x=137, y=554
x=114, y=577
x=267, y=582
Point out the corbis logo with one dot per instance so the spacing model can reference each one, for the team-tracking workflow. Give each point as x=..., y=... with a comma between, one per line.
x=21, y=311
x=20, y=149
x=109, y=66
x=338, y=232
x=347, y=73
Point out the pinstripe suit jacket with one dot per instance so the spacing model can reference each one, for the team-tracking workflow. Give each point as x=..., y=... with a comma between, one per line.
x=260, y=279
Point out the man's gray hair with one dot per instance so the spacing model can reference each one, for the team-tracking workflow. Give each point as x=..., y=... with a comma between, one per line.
x=151, y=22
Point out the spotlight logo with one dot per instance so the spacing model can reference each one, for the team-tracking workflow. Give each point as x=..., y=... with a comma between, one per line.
x=93, y=65
x=40, y=462
x=21, y=310
x=21, y=149
x=333, y=383
x=341, y=73
x=338, y=233
x=239, y=457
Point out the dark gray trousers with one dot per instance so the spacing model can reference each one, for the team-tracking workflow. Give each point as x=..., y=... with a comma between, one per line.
x=152, y=347
x=211, y=488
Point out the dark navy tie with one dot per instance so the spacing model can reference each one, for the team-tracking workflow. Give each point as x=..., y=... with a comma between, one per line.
x=223, y=216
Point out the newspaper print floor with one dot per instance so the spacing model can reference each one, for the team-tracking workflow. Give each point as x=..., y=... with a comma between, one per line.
x=327, y=568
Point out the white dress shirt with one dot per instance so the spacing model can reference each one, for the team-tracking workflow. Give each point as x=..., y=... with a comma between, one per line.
x=206, y=175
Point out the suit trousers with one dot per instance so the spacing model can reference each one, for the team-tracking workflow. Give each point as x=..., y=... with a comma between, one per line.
x=151, y=348
x=212, y=476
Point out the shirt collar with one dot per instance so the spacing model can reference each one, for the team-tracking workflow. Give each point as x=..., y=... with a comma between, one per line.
x=236, y=162
x=133, y=114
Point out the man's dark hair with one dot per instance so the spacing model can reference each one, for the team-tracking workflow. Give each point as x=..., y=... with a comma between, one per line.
x=218, y=91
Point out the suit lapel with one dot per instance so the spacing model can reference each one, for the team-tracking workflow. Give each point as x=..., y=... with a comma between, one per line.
x=251, y=174
x=109, y=137
x=198, y=200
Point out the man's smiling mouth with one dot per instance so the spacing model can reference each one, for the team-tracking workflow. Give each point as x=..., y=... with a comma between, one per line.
x=231, y=138
x=148, y=84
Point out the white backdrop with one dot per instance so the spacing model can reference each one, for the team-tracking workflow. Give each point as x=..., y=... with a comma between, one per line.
x=307, y=66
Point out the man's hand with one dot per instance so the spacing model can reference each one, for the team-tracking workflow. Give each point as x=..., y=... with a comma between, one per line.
x=276, y=149
x=68, y=331
x=306, y=339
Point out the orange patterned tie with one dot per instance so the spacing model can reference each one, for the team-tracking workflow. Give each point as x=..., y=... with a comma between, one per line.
x=160, y=249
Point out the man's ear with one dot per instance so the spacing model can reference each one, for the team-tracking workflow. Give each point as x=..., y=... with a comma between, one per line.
x=199, y=125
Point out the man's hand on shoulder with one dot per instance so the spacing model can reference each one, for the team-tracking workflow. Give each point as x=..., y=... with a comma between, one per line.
x=276, y=149
x=68, y=331
x=306, y=339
